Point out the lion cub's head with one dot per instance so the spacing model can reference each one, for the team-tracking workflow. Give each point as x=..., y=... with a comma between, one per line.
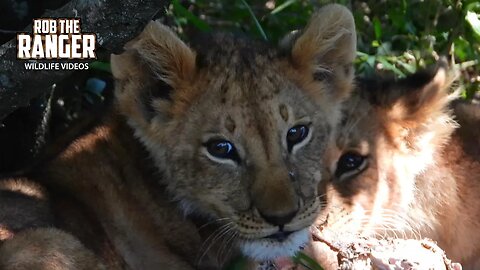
x=391, y=133
x=238, y=127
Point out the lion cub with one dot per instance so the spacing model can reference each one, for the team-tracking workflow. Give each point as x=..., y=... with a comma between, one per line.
x=402, y=166
x=212, y=149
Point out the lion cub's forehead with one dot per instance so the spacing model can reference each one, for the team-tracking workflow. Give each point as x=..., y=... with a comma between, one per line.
x=222, y=50
x=236, y=72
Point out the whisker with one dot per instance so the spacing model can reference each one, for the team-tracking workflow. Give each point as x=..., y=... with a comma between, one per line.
x=218, y=237
x=213, y=221
x=377, y=223
x=212, y=238
x=232, y=243
x=224, y=247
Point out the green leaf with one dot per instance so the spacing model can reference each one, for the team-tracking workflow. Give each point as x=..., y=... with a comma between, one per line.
x=306, y=261
x=408, y=67
x=362, y=54
x=282, y=6
x=99, y=65
x=377, y=26
x=257, y=24
x=472, y=19
x=182, y=11
x=389, y=66
x=239, y=263
x=371, y=61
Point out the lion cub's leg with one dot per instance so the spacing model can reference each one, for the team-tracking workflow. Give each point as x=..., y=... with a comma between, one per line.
x=46, y=248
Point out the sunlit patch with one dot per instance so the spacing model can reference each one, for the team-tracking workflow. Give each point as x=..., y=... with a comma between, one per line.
x=24, y=187
x=5, y=233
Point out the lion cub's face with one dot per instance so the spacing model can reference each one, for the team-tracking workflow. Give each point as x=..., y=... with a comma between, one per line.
x=390, y=134
x=239, y=128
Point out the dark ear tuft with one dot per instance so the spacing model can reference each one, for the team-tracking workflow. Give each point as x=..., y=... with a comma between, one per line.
x=160, y=90
x=414, y=98
x=384, y=92
x=321, y=76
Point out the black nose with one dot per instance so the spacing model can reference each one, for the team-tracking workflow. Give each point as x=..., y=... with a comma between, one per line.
x=279, y=220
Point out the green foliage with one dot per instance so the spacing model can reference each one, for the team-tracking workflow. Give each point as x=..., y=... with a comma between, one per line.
x=300, y=258
x=239, y=263
x=396, y=37
x=102, y=66
x=182, y=15
x=304, y=260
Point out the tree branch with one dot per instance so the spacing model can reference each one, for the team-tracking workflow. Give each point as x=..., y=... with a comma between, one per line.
x=113, y=21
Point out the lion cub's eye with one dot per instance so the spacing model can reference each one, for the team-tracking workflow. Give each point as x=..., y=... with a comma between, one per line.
x=296, y=135
x=222, y=149
x=350, y=164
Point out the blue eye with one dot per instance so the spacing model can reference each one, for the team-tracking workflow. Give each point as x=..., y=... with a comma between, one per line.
x=296, y=135
x=222, y=149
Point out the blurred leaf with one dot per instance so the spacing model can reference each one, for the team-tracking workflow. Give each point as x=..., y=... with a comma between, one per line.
x=307, y=262
x=99, y=65
x=472, y=19
x=254, y=18
x=410, y=27
x=397, y=17
x=461, y=49
x=408, y=67
x=237, y=264
x=282, y=6
x=377, y=25
x=386, y=30
x=371, y=61
x=385, y=49
x=389, y=66
x=182, y=11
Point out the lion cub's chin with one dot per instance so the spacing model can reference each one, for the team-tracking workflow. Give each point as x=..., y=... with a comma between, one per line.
x=269, y=249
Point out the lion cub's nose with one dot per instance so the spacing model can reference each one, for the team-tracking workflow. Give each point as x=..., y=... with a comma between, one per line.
x=274, y=196
x=279, y=220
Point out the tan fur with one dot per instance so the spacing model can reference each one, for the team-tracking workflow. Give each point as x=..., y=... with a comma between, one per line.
x=423, y=174
x=27, y=240
x=49, y=249
x=145, y=177
x=23, y=205
x=334, y=56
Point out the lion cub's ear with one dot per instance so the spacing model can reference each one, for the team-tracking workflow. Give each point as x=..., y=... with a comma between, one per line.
x=155, y=68
x=414, y=109
x=416, y=98
x=326, y=48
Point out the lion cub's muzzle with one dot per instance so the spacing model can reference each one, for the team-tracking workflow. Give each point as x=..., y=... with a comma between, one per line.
x=278, y=205
x=280, y=220
x=265, y=236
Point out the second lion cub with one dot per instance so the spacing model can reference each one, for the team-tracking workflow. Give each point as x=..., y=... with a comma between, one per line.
x=402, y=166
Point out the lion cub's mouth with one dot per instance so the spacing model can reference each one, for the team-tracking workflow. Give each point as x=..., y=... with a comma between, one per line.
x=262, y=240
x=278, y=244
x=279, y=236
